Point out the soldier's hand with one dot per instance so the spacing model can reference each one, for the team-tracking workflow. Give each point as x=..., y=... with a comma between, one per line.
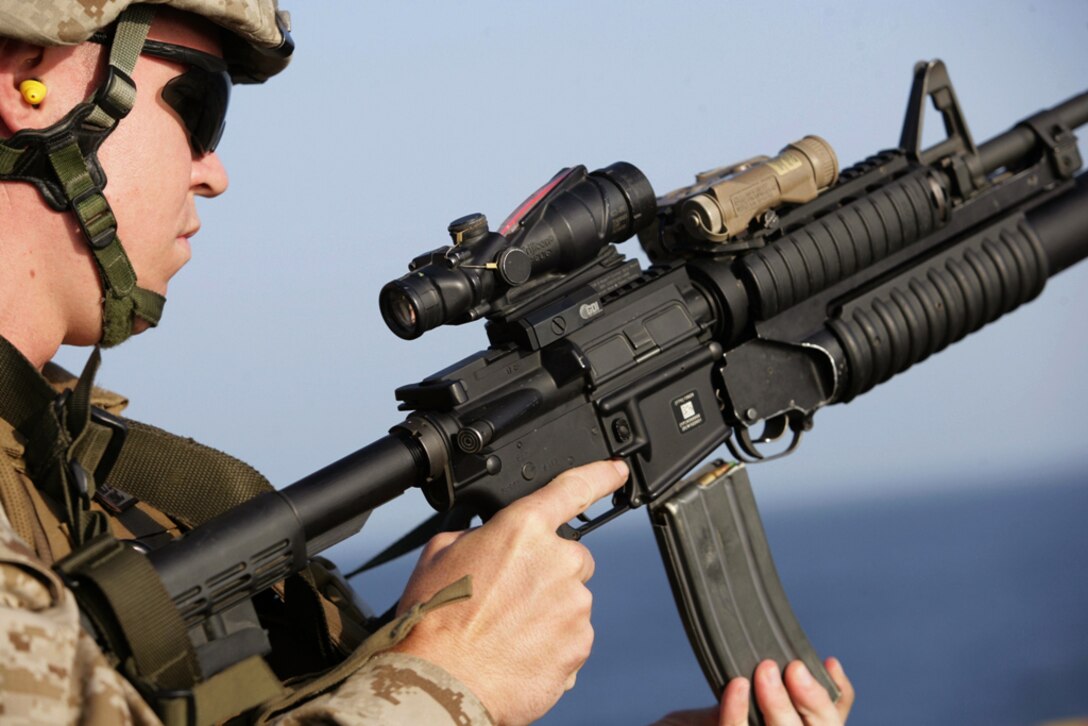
x=519, y=641
x=797, y=700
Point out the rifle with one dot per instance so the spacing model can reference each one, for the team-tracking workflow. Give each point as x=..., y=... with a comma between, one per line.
x=779, y=286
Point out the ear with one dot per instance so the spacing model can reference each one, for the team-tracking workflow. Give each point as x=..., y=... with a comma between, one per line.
x=61, y=69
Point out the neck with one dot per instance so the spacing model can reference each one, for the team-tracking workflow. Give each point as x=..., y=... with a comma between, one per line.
x=34, y=348
x=26, y=321
x=44, y=300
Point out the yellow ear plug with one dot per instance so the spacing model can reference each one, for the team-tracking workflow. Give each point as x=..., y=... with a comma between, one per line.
x=33, y=91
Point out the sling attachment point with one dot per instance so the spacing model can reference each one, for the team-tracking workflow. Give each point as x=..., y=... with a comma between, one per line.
x=137, y=623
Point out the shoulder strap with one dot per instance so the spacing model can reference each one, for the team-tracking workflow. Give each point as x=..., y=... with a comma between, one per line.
x=24, y=391
x=57, y=431
x=67, y=441
x=187, y=480
x=14, y=500
x=119, y=591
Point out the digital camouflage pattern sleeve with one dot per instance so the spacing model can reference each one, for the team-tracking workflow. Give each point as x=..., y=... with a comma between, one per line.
x=394, y=688
x=51, y=671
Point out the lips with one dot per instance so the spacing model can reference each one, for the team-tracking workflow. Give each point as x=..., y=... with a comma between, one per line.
x=188, y=233
x=192, y=225
x=183, y=240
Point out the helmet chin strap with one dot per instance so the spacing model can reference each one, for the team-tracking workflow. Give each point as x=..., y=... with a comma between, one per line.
x=62, y=161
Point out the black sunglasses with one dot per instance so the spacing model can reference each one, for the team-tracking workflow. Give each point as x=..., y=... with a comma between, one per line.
x=200, y=95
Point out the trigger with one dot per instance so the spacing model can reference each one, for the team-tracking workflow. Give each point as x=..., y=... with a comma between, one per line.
x=568, y=532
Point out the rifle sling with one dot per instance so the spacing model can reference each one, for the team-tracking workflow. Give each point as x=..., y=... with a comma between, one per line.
x=55, y=428
x=134, y=604
x=448, y=521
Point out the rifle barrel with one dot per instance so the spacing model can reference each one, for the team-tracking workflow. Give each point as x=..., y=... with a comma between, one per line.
x=1021, y=140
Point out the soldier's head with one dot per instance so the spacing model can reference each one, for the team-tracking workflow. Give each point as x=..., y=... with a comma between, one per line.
x=136, y=94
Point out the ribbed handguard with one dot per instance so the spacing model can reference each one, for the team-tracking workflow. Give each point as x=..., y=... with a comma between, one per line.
x=832, y=248
x=930, y=306
x=734, y=608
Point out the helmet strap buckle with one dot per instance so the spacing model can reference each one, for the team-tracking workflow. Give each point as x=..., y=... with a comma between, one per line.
x=115, y=95
x=95, y=218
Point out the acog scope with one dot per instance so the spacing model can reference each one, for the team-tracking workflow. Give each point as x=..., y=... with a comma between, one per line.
x=561, y=226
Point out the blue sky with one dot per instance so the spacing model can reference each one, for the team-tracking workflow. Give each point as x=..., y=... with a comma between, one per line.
x=397, y=117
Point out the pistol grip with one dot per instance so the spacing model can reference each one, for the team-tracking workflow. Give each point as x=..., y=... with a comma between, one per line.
x=734, y=608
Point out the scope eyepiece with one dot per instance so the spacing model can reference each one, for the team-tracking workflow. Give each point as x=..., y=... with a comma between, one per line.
x=427, y=298
x=400, y=310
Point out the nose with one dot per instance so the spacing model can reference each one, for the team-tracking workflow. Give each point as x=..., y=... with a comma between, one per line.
x=209, y=176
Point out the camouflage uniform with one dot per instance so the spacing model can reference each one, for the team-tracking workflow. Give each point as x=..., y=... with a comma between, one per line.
x=51, y=670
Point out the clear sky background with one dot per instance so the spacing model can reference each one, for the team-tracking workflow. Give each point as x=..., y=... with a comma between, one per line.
x=397, y=117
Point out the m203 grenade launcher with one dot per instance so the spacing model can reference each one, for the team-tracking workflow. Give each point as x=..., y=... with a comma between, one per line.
x=778, y=286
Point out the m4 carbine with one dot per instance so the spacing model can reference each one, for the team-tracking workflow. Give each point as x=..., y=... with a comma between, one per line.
x=779, y=286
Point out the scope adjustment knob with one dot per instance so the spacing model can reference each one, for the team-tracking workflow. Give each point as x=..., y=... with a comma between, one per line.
x=468, y=228
x=515, y=266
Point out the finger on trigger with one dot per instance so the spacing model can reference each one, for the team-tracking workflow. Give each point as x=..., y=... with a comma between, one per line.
x=574, y=491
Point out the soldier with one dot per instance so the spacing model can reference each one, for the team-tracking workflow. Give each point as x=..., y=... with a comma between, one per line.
x=98, y=89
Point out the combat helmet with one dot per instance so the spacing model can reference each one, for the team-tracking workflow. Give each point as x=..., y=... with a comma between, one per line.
x=61, y=160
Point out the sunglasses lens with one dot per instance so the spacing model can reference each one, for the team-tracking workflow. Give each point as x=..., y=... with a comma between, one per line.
x=200, y=98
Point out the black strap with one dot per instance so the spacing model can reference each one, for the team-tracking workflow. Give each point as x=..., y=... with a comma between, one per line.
x=56, y=429
x=449, y=521
x=29, y=390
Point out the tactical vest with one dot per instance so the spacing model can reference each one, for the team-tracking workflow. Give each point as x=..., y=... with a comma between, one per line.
x=97, y=479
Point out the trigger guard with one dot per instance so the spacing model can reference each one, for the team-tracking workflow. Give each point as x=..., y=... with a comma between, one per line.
x=772, y=430
x=747, y=451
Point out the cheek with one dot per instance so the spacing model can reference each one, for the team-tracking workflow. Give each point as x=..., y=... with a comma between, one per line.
x=147, y=154
x=148, y=166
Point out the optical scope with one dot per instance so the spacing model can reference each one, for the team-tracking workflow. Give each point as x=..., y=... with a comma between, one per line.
x=561, y=226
